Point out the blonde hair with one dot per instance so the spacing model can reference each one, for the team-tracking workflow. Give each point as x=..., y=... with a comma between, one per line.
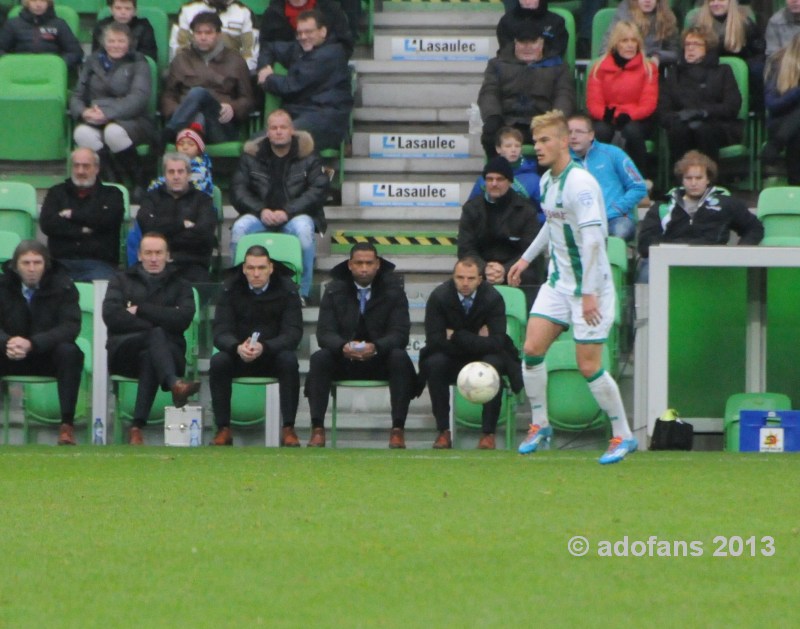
x=554, y=118
x=621, y=30
x=785, y=66
x=735, y=34
x=666, y=23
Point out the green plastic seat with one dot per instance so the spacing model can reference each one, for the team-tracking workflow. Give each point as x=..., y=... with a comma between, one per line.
x=356, y=384
x=8, y=243
x=18, y=207
x=600, y=24
x=284, y=248
x=34, y=96
x=749, y=402
x=779, y=211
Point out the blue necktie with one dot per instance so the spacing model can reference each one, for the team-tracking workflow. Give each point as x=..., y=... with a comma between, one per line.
x=467, y=303
x=362, y=299
x=27, y=292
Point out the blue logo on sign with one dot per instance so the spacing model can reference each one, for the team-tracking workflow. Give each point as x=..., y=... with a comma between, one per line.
x=378, y=190
x=389, y=142
x=410, y=45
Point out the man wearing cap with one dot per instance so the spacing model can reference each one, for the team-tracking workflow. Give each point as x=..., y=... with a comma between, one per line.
x=519, y=83
x=499, y=225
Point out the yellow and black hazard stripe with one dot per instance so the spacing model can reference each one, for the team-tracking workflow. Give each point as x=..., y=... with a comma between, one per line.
x=423, y=242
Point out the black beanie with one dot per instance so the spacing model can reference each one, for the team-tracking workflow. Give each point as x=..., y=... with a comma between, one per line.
x=499, y=164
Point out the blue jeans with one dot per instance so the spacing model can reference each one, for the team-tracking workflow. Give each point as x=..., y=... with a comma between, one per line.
x=200, y=106
x=301, y=226
x=622, y=227
x=88, y=270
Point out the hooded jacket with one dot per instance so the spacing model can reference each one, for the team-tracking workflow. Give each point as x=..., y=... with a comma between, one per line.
x=41, y=34
x=386, y=316
x=305, y=183
x=53, y=317
x=549, y=24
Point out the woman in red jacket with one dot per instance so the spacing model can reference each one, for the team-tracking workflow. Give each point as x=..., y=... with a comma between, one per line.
x=622, y=92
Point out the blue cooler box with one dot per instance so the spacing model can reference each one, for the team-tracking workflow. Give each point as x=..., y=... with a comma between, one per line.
x=769, y=431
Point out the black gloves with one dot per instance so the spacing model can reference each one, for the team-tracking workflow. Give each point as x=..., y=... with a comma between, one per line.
x=688, y=115
x=622, y=120
x=608, y=116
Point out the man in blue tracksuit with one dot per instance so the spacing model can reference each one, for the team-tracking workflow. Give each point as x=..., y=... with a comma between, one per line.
x=621, y=182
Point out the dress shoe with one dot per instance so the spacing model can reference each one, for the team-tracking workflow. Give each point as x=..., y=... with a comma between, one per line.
x=443, y=441
x=182, y=391
x=224, y=437
x=289, y=437
x=66, y=435
x=397, y=440
x=317, y=438
x=486, y=442
x=136, y=437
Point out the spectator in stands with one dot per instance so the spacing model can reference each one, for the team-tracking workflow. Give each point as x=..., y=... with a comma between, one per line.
x=82, y=218
x=621, y=183
x=317, y=90
x=147, y=309
x=37, y=30
x=280, y=186
x=279, y=22
x=39, y=322
x=499, y=225
x=699, y=99
x=657, y=25
x=185, y=216
x=465, y=321
x=143, y=38
x=236, y=25
x=782, y=26
x=362, y=331
x=782, y=98
x=696, y=213
x=738, y=36
x=534, y=14
x=110, y=105
x=259, y=298
x=520, y=83
x=526, y=176
x=189, y=142
x=208, y=84
x=622, y=93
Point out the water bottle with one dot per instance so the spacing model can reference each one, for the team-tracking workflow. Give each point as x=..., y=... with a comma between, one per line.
x=475, y=122
x=98, y=436
x=194, y=434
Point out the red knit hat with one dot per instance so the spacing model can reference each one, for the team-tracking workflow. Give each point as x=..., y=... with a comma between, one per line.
x=194, y=135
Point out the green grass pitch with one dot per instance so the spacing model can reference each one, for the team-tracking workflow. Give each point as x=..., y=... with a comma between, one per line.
x=249, y=537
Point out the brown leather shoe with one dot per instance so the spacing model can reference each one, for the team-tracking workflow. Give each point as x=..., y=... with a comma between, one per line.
x=289, y=437
x=224, y=437
x=397, y=440
x=136, y=437
x=443, y=441
x=486, y=442
x=182, y=391
x=66, y=436
x=317, y=438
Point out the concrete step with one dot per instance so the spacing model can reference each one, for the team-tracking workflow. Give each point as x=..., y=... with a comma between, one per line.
x=391, y=17
x=421, y=191
x=410, y=144
x=365, y=215
x=368, y=68
x=430, y=92
x=391, y=114
x=435, y=46
x=412, y=166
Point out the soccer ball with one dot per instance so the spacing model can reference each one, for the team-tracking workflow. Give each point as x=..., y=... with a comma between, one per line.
x=478, y=382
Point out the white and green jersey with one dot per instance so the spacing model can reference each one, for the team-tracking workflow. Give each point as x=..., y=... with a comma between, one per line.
x=570, y=202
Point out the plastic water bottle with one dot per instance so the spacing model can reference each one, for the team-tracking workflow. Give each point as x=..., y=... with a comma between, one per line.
x=97, y=433
x=475, y=122
x=194, y=434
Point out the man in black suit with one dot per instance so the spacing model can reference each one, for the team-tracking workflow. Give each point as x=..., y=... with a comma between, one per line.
x=465, y=321
x=362, y=331
x=258, y=325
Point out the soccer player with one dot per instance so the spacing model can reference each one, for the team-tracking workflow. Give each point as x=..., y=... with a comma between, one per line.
x=579, y=290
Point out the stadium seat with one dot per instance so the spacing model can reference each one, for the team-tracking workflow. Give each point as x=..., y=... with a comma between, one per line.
x=18, y=208
x=467, y=414
x=749, y=402
x=356, y=384
x=170, y=7
x=569, y=23
x=600, y=24
x=779, y=211
x=8, y=243
x=65, y=11
x=34, y=96
x=125, y=388
x=284, y=248
x=746, y=150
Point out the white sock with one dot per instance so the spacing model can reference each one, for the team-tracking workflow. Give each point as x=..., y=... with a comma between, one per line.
x=535, y=379
x=606, y=392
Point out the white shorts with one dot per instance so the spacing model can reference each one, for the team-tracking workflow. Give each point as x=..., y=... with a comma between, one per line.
x=567, y=310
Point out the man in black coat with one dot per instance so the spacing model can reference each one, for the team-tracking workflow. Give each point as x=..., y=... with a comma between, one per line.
x=258, y=325
x=39, y=321
x=147, y=309
x=276, y=23
x=185, y=216
x=82, y=218
x=362, y=331
x=465, y=321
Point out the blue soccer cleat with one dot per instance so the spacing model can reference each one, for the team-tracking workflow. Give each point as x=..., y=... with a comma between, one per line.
x=617, y=449
x=537, y=436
